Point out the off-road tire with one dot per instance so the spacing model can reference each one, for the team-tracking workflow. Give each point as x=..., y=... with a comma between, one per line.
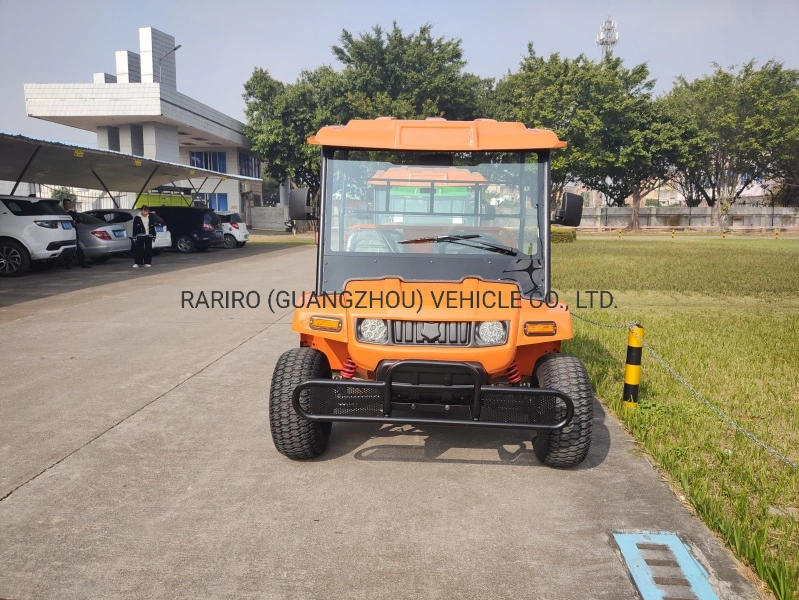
x=569, y=446
x=294, y=436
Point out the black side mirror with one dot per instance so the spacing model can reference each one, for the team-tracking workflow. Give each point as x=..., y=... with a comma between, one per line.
x=300, y=205
x=571, y=211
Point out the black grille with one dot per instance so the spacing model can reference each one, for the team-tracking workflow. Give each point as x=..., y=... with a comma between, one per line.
x=506, y=408
x=351, y=401
x=439, y=333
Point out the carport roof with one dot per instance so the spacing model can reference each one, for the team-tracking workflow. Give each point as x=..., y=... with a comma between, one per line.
x=58, y=163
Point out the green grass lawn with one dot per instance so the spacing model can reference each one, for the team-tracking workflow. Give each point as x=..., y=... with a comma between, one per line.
x=725, y=315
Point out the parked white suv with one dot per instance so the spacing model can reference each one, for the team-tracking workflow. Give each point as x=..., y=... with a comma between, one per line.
x=32, y=231
x=124, y=216
x=236, y=234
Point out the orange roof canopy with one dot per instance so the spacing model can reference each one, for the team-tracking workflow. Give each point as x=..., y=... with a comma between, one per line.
x=434, y=134
x=405, y=175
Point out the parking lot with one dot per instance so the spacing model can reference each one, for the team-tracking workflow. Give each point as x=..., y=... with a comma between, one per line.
x=136, y=461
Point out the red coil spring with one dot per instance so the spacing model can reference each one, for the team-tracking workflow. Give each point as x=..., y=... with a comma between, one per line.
x=513, y=373
x=348, y=370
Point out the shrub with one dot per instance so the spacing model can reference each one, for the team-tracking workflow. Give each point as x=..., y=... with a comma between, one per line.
x=562, y=235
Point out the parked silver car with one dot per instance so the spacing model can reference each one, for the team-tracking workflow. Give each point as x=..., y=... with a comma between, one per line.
x=99, y=239
x=124, y=218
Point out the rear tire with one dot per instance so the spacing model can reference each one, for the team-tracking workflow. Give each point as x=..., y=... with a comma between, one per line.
x=14, y=259
x=293, y=436
x=101, y=259
x=240, y=244
x=230, y=241
x=569, y=446
x=184, y=244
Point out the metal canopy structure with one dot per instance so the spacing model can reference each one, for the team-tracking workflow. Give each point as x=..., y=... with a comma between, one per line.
x=57, y=163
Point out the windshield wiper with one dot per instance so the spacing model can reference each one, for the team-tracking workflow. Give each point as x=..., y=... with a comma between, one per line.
x=459, y=239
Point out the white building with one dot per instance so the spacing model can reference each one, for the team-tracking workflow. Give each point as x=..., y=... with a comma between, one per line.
x=139, y=111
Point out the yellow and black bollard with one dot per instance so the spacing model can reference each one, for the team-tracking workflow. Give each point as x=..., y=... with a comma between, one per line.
x=777, y=234
x=619, y=232
x=632, y=370
x=724, y=234
x=672, y=234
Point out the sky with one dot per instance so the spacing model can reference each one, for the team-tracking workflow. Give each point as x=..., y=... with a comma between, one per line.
x=66, y=41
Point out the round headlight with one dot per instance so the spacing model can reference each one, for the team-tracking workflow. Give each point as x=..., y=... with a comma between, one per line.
x=491, y=333
x=373, y=331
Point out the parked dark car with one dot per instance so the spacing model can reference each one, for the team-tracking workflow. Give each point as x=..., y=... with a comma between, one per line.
x=192, y=228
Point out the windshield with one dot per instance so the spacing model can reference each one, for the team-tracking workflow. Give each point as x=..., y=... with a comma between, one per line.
x=440, y=203
x=433, y=216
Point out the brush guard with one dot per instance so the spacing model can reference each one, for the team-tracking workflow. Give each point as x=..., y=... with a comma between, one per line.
x=400, y=395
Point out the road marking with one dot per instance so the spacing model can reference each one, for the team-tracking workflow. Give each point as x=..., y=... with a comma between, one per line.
x=663, y=568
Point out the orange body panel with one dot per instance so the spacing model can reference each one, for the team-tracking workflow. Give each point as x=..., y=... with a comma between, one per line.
x=469, y=300
x=436, y=134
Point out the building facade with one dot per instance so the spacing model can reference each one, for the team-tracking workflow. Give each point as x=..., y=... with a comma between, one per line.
x=138, y=110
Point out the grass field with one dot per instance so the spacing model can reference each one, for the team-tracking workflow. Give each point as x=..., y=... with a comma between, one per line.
x=725, y=315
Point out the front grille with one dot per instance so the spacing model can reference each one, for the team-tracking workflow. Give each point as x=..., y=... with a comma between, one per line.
x=440, y=333
x=347, y=401
x=504, y=408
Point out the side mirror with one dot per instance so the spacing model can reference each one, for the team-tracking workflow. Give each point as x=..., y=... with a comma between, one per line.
x=571, y=211
x=300, y=205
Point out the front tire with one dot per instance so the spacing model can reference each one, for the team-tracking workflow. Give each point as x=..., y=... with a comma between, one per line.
x=569, y=446
x=14, y=259
x=293, y=436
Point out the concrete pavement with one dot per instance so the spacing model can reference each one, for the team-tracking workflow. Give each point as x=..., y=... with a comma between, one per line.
x=136, y=462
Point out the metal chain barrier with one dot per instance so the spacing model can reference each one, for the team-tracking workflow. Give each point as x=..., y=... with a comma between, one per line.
x=721, y=414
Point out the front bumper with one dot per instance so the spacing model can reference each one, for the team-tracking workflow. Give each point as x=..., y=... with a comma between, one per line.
x=404, y=394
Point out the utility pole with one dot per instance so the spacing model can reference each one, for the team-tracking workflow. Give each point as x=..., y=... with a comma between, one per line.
x=607, y=38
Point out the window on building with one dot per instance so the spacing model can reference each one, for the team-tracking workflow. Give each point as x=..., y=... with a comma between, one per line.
x=214, y=201
x=249, y=166
x=213, y=161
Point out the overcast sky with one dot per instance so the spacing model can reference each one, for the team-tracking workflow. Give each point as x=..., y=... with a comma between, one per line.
x=65, y=41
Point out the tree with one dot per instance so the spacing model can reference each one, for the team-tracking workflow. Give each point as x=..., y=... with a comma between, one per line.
x=393, y=74
x=638, y=142
x=553, y=93
x=63, y=193
x=748, y=124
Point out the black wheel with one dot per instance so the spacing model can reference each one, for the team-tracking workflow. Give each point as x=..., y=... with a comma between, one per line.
x=156, y=252
x=203, y=249
x=101, y=259
x=240, y=244
x=184, y=244
x=14, y=259
x=569, y=446
x=294, y=436
x=230, y=241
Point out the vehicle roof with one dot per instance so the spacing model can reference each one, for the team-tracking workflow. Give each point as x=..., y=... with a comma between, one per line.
x=388, y=133
x=407, y=175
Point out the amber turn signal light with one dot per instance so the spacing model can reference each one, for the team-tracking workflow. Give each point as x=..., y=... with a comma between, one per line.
x=326, y=323
x=532, y=328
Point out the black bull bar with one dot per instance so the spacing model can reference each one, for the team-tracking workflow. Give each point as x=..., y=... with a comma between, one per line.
x=471, y=404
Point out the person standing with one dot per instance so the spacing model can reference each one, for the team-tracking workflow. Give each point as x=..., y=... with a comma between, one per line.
x=143, y=236
x=75, y=219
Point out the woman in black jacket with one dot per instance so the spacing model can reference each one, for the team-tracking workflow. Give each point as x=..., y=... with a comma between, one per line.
x=143, y=236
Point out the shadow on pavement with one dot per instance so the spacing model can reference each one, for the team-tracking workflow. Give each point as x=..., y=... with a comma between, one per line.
x=508, y=447
x=57, y=280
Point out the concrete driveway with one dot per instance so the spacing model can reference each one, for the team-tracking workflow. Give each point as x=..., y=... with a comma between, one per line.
x=136, y=462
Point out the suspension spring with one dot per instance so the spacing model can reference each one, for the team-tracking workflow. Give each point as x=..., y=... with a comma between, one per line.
x=513, y=373
x=348, y=370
